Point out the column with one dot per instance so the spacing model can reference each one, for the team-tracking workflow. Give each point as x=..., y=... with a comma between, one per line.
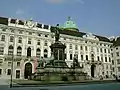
x=6, y=44
x=15, y=45
x=34, y=47
x=42, y=48
x=24, y=49
x=49, y=50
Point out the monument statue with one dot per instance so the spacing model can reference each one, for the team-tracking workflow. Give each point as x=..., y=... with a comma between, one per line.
x=57, y=35
x=41, y=63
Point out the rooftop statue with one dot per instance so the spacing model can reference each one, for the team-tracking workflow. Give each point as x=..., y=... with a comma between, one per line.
x=57, y=35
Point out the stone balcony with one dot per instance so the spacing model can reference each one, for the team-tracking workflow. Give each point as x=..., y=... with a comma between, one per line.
x=18, y=58
x=94, y=62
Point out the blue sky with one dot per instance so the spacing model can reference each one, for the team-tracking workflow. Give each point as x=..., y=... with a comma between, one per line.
x=101, y=17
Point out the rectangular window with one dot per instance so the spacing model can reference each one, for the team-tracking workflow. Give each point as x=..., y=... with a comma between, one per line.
x=30, y=33
x=105, y=51
x=20, y=32
x=18, y=64
x=76, y=47
x=1, y=62
x=70, y=56
x=112, y=54
x=112, y=62
x=81, y=47
x=17, y=73
x=101, y=50
x=105, y=59
x=70, y=46
x=81, y=57
x=9, y=72
x=118, y=61
x=20, y=40
x=3, y=38
x=1, y=50
x=9, y=63
x=113, y=69
x=46, y=26
x=11, y=38
x=102, y=59
x=108, y=50
x=86, y=48
x=117, y=53
x=0, y=71
x=109, y=59
x=38, y=42
x=86, y=57
x=97, y=49
x=98, y=58
x=118, y=69
x=106, y=66
x=29, y=41
x=45, y=43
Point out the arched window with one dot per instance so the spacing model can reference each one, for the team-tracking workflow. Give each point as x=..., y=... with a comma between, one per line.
x=19, y=51
x=38, y=53
x=11, y=38
x=45, y=53
x=10, y=50
x=3, y=38
x=28, y=52
x=20, y=40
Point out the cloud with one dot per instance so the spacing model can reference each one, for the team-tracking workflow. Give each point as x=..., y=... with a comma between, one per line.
x=55, y=1
x=19, y=12
x=80, y=1
x=64, y=1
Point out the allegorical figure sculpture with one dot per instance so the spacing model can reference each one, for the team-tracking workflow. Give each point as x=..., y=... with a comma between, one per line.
x=41, y=62
x=57, y=35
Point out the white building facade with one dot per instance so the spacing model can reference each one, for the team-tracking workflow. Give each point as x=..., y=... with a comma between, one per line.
x=115, y=53
x=28, y=41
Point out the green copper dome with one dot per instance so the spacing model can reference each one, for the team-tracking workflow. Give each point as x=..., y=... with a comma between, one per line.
x=70, y=25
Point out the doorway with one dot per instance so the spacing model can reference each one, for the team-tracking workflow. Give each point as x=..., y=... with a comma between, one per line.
x=92, y=70
x=18, y=74
x=28, y=70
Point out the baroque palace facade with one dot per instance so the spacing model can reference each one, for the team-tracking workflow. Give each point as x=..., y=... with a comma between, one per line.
x=27, y=41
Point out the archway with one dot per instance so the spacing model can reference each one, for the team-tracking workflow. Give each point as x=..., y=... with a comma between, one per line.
x=29, y=52
x=92, y=70
x=28, y=70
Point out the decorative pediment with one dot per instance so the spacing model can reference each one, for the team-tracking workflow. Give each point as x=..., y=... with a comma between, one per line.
x=30, y=23
x=90, y=36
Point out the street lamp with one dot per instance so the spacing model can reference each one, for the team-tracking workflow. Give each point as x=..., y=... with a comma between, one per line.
x=12, y=62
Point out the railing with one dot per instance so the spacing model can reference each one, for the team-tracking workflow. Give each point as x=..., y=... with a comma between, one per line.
x=94, y=62
x=16, y=57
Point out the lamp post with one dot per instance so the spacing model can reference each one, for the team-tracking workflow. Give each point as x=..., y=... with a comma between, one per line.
x=12, y=62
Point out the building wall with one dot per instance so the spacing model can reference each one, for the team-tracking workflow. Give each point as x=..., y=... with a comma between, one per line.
x=116, y=60
x=73, y=46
